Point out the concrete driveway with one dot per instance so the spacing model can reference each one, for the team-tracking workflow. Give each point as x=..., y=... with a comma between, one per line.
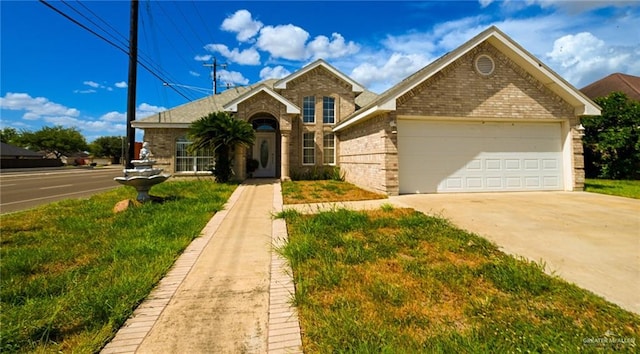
x=589, y=239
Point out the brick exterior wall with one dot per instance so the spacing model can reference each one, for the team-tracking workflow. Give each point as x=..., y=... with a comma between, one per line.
x=369, y=150
x=318, y=83
x=163, y=146
x=368, y=155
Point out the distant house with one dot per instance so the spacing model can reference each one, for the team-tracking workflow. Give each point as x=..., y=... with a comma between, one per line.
x=486, y=117
x=628, y=84
x=8, y=151
x=16, y=157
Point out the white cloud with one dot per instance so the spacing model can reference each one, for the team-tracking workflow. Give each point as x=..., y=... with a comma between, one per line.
x=284, y=41
x=246, y=57
x=193, y=73
x=92, y=84
x=583, y=58
x=277, y=72
x=35, y=108
x=380, y=76
x=242, y=23
x=322, y=47
x=485, y=3
x=232, y=78
x=121, y=84
x=145, y=110
x=114, y=117
x=205, y=57
x=109, y=124
x=85, y=91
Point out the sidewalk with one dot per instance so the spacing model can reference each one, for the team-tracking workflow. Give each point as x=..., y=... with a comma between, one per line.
x=228, y=292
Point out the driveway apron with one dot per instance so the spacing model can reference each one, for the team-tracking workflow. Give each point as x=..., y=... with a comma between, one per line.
x=589, y=239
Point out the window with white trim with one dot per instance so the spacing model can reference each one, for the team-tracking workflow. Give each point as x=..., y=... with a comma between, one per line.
x=328, y=110
x=309, y=109
x=329, y=149
x=202, y=160
x=308, y=149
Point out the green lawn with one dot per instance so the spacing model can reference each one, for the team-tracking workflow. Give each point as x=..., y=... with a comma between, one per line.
x=398, y=281
x=72, y=272
x=629, y=189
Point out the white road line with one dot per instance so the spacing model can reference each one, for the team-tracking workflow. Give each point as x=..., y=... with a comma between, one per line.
x=58, y=195
x=34, y=173
x=53, y=187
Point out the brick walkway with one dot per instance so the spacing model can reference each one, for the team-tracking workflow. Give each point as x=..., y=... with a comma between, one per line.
x=282, y=334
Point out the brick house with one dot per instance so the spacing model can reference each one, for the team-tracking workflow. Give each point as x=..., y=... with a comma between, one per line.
x=487, y=116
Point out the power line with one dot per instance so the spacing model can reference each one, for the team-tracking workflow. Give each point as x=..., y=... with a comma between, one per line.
x=142, y=56
x=126, y=52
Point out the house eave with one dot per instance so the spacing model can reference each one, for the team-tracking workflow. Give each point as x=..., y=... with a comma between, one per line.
x=150, y=125
x=363, y=116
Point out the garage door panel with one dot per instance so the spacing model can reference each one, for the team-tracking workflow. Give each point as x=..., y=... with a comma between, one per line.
x=468, y=157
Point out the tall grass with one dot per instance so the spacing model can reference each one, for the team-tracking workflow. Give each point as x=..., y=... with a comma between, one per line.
x=72, y=272
x=397, y=281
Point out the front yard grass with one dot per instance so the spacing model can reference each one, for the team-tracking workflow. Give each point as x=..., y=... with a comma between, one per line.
x=72, y=272
x=398, y=281
x=621, y=188
x=323, y=191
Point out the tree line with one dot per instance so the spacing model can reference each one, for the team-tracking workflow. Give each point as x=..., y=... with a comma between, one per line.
x=58, y=141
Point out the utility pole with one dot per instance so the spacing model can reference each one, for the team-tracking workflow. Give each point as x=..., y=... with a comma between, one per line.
x=131, y=92
x=214, y=73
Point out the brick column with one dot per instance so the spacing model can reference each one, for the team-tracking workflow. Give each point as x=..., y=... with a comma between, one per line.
x=284, y=161
x=239, y=163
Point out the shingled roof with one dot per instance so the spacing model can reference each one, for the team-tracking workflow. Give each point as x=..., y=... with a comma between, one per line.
x=628, y=84
x=182, y=116
x=11, y=151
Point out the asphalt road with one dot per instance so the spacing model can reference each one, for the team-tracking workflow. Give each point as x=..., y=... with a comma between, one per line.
x=24, y=190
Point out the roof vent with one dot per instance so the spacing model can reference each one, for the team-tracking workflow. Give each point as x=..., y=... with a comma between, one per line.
x=485, y=65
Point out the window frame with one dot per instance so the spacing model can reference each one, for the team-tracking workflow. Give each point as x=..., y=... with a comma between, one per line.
x=311, y=148
x=200, y=162
x=325, y=110
x=331, y=149
x=306, y=109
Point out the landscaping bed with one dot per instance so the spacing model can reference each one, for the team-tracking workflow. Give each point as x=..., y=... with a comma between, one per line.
x=324, y=191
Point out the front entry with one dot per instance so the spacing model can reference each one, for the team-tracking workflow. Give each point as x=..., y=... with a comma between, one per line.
x=264, y=150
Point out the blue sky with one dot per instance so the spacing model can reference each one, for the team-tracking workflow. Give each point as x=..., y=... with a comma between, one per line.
x=53, y=72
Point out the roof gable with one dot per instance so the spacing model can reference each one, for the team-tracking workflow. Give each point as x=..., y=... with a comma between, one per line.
x=387, y=101
x=282, y=84
x=232, y=106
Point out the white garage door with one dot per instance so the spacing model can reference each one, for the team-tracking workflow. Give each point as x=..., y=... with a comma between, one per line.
x=437, y=156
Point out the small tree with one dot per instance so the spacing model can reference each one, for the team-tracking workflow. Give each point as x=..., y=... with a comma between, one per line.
x=55, y=140
x=9, y=136
x=222, y=132
x=107, y=146
x=612, y=140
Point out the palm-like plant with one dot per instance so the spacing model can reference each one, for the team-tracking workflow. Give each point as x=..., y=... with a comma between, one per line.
x=222, y=132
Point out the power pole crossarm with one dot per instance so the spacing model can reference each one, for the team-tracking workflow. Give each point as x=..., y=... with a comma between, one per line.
x=214, y=73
